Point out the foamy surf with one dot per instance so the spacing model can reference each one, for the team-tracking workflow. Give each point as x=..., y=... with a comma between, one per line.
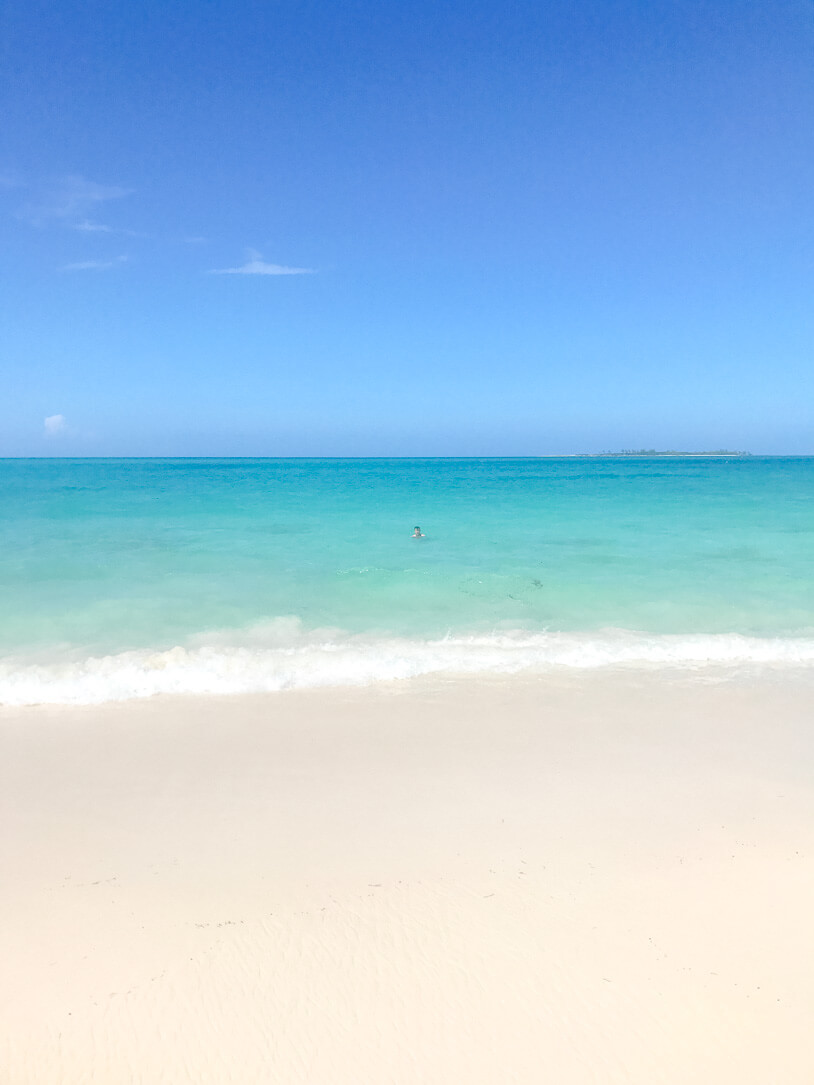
x=280, y=655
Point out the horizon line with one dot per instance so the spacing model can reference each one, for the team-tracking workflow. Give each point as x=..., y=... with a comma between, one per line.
x=501, y=456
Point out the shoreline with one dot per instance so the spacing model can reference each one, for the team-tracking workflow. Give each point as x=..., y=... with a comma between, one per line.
x=582, y=877
x=249, y=663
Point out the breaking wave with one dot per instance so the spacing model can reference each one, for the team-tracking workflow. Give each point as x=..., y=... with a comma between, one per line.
x=282, y=655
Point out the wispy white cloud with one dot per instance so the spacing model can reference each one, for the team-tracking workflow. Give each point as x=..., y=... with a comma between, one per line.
x=94, y=265
x=69, y=201
x=55, y=425
x=87, y=227
x=256, y=265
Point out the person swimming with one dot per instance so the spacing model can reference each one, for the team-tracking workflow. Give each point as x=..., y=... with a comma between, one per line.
x=417, y=533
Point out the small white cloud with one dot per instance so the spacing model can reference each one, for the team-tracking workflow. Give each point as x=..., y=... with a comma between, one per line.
x=92, y=227
x=69, y=198
x=55, y=424
x=87, y=227
x=94, y=265
x=256, y=265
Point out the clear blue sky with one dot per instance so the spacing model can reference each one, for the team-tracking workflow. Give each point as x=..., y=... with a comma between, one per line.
x=525, y=227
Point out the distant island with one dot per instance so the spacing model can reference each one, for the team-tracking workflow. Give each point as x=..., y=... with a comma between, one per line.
x=656, y=452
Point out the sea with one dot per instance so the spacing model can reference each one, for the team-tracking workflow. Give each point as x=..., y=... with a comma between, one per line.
x=127, y=578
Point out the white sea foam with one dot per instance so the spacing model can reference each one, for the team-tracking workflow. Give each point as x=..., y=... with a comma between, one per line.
x=281, y=655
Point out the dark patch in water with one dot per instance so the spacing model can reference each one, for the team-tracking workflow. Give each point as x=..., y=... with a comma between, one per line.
x=576, y=544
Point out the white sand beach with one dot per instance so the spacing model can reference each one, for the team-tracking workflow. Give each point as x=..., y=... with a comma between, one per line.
x=580, y=879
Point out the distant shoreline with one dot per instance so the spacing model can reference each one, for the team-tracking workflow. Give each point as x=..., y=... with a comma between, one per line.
x=643, y=453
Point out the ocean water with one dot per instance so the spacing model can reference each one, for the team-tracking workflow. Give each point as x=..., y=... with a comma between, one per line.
x=126, y=578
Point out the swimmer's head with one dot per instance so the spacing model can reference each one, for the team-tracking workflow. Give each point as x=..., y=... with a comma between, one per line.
x=416, y=532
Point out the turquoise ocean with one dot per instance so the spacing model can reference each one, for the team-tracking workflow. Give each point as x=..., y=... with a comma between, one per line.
x=124, y=578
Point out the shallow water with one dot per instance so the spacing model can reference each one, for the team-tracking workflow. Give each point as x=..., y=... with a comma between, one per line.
x=128, y=577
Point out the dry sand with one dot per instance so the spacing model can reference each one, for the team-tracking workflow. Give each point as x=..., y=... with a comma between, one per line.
x=570, y=880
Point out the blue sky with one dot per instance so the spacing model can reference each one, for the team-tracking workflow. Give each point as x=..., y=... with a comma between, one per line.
x=516, y=228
